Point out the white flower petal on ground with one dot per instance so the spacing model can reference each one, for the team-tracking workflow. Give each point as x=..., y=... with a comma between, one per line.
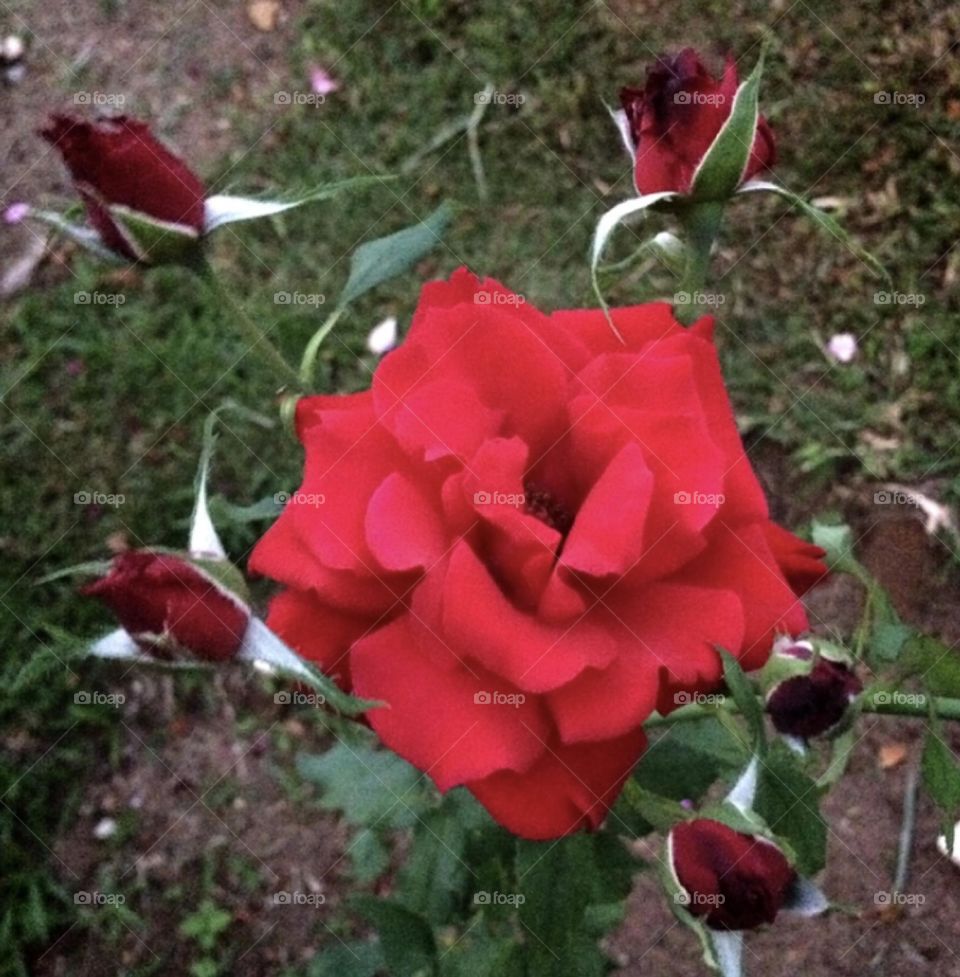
x=842, y=347
x=383, y=337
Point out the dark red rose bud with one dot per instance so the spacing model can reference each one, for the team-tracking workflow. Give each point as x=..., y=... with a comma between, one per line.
x=118, y=163
x=171, y=608
x=735, y=881
x=674, y=119
x=811, y=705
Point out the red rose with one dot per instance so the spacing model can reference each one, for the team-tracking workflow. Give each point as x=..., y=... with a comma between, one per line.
x=128, y=180
x=735, y=881
x=171, y=608
x=674, y=119
x=525, y=538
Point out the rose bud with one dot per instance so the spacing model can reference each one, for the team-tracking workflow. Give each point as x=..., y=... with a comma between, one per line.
x=673, y=120
x=734, y=881
x=809, y=691
x=143, y=201
x=171, y=607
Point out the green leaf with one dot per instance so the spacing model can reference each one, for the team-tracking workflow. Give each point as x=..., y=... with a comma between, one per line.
x=887, y=634
x=937, y=665
x=435, y=874
x=683, y=764
x=837, y=540
x=659, y=812
x=405, y=937
x=824, y=221
x=369, y=855
x=371, y=787
x=745, y=698
x=789, y=801
x=941, y=775
x=720, y=171
x=376, y=262
x=355, y=959
x=481, y=954
x=557, y=880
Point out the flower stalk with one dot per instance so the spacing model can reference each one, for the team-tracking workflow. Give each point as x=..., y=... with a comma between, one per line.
x=285, y=374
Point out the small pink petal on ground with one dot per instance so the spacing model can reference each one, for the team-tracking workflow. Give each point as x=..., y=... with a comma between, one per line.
x=16, y=213
x=842, y=347
x=321, y=81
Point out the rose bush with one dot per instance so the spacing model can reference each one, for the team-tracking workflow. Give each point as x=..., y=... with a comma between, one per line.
x=524, y=539
x=673, y=120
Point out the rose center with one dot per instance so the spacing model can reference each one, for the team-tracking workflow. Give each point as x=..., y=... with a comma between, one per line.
x=542, y=505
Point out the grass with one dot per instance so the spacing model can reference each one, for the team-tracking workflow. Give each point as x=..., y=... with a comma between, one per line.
x=111, y=398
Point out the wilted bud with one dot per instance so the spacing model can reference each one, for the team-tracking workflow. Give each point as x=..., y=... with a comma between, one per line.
x=171, y=607
x=733, y=881
x=809, y=689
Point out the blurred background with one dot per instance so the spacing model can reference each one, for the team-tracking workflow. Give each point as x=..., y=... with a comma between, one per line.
x=180, y=794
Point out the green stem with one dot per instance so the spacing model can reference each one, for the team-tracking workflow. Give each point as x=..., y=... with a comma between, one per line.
x=283, y=371
x=701, y=222
x=305, y=377
x=911, y=706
